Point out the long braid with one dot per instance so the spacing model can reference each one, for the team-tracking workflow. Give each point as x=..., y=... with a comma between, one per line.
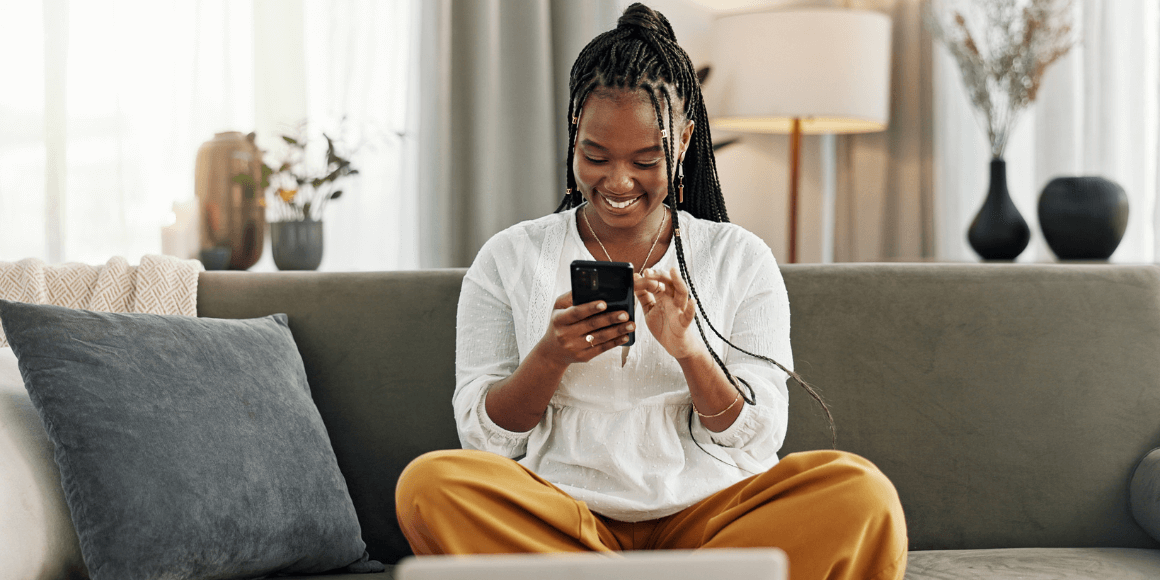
x=641, y=53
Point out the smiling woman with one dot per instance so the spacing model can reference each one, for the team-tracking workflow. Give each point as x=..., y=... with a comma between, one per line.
x=673, y=443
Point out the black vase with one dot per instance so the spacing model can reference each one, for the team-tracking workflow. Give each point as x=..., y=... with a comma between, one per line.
x=1083, y=218
x=998, y=232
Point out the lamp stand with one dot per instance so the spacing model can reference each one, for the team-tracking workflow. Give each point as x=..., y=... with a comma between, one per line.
x=795, y=152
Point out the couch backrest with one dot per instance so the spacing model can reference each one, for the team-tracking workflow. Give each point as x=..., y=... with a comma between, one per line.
x=379, y=351
x=1008, y=403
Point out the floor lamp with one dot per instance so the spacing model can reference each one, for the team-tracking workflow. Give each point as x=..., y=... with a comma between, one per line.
x=801, y=72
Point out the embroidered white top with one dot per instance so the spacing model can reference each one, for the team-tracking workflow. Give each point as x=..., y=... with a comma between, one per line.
x=616, y=437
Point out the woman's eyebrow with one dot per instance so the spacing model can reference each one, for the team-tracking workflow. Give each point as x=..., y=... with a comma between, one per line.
x=595, y=145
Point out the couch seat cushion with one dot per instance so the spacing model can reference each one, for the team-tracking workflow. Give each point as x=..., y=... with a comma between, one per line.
x=1035, y=564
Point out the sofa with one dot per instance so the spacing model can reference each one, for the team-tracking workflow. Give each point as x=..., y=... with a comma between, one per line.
x=1010, y=404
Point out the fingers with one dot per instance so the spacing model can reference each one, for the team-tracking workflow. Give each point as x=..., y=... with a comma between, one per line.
x=656, y=285
x=569, y=315
x=607, y=338
x=647, y=283
x=648, y=288
x=563, y=301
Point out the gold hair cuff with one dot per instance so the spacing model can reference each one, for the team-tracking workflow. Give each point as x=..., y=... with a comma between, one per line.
x=731, y=405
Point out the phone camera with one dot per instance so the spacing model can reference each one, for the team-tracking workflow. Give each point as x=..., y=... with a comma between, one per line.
x=589, y=278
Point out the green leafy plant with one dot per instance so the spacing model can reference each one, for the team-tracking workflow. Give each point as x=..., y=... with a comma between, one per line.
x=300, y=190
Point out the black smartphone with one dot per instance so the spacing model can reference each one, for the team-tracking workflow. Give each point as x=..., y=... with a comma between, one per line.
x=607, y=281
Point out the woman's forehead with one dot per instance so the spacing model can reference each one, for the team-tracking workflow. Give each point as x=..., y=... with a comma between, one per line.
x=620, y=121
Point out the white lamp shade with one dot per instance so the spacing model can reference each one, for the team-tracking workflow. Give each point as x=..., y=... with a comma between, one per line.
x=828, y=67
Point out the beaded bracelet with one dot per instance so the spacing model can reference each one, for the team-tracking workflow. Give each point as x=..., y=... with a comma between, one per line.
x=731, y=405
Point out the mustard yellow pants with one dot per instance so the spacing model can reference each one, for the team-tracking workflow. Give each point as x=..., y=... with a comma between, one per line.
x=833, y=513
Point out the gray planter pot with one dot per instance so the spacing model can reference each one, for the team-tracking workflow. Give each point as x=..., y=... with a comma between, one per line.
x=296, y=245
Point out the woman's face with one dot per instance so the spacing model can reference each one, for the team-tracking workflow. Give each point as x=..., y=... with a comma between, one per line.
x=619, y=162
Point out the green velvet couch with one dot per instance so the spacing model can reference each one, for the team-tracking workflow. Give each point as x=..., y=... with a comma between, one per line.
x=1010, y=404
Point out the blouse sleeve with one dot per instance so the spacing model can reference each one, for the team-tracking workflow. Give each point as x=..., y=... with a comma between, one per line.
x=485, y=352
x=760, y=326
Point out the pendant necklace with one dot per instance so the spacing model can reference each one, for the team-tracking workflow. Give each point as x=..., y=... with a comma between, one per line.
x=607, y=255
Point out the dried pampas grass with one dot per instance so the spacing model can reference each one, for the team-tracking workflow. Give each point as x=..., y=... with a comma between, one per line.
x=1002, y=48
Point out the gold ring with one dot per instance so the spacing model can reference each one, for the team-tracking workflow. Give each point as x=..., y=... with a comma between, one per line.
x=589, y=338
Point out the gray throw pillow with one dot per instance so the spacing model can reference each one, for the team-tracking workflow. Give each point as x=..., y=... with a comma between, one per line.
x=188, y=447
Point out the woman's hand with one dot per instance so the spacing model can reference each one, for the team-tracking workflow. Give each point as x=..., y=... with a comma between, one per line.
x=669, y=312
x=580, y=333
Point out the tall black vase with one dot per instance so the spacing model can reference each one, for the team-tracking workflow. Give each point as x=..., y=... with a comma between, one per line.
x=998, y=231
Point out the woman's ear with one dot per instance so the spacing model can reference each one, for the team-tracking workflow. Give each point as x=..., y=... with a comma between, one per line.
x=686, y=138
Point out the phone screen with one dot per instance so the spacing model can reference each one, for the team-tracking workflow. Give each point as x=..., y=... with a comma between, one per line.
x=607, y=281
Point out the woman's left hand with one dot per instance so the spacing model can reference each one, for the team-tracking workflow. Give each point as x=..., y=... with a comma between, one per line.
x=669, y=311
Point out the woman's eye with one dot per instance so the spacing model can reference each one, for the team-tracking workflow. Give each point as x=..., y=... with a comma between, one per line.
x=640, y=165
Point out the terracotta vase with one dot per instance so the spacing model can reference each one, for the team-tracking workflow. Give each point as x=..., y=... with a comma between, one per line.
x=231, y=214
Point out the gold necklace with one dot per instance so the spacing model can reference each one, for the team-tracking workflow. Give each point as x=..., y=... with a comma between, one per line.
x=660, y=229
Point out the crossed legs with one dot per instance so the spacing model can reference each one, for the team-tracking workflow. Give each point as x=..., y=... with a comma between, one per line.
x=833, y=513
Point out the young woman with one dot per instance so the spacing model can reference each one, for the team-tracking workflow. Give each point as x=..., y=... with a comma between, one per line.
x=672, y=444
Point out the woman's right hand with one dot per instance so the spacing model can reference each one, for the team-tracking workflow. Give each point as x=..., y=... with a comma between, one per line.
x=580, y=333
x=517, y=402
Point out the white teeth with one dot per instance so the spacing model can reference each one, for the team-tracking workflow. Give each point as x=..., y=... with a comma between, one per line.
x=621, y=205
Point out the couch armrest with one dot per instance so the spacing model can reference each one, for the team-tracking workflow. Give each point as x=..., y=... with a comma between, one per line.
x=37, y=538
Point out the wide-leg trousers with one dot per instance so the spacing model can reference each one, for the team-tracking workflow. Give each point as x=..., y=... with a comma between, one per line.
x=834, y=514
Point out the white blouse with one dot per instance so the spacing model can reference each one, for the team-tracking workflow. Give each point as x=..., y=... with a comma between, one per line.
x=618, y=438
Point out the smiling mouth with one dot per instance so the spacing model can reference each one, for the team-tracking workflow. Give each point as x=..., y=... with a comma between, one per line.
x=620, y=204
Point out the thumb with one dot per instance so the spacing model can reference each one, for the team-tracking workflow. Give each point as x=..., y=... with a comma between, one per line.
x=690, y=312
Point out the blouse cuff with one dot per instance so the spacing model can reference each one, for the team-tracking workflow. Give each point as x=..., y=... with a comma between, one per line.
x=510, y=441
x=743, y=429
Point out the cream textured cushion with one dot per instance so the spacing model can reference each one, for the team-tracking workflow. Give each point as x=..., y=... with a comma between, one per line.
x=37, y=539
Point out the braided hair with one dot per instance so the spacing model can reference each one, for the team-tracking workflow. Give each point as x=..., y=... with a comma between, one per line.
x=641, y=54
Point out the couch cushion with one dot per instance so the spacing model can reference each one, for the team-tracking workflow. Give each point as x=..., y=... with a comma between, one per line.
x=1035, y=564
x=188, y=447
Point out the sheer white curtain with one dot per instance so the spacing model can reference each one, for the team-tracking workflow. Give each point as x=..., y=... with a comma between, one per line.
x=357, y=80
x=1096, y=115
x=358, y=65
x=105, y=102
x=103, y=108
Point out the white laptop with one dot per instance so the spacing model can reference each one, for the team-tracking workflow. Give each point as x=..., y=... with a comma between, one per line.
x=731, y=564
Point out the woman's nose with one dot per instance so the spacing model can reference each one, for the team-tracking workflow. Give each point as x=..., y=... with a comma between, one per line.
x=620, y=181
